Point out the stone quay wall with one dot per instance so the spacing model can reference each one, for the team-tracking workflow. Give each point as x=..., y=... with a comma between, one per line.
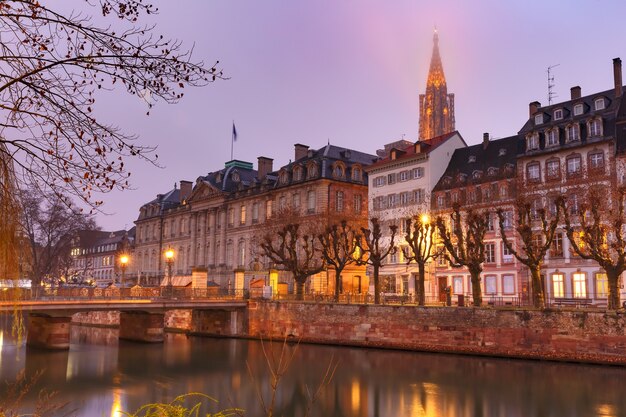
x=175, y=320
x=566, y=335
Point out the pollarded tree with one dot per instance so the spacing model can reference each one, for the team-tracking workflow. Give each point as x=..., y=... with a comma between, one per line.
x=465, y=244
x=375, y=247
x=291, y=242
x=339, y=244
x=536, y=229
x=598, y=233
x=53, y=65
x=420, y=237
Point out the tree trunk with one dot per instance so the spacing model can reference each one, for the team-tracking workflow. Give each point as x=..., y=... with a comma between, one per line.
x=477, y=294
x=614, y=298
x=300, y=287
x=376, y=285
x=337, y=282
x=537, y=288
x=418, y=282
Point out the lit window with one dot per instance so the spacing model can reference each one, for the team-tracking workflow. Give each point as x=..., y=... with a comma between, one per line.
x=311, y=201
x=558, y=285
x=558, y=114
x=553, y=168
x=602, y=285
x=599, y=104
x=573, y=165
x=457, y=283
x=231, y=216
x=539, y=119
x=596, y=160
x=552, y=137
x=579, y=281
x=578, y=110
x=532, y=142
x=533, y=173
x=268, y=209
x=508, y=284
x=242, y=215
x=490, y=284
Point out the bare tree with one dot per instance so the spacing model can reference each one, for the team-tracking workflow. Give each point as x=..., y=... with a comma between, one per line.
x=598, y=233
x=340, y=248
x=375, y=249
x=536, y=231
x=465, y=244
x=291, y=242
x=50, y=227
x=53, y=65
x=420, y=237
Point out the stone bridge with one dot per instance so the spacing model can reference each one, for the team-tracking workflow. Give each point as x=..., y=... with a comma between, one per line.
x=141, y=320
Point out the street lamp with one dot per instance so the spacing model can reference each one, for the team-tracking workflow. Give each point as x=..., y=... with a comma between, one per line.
x=123, y=264
x=169, y=260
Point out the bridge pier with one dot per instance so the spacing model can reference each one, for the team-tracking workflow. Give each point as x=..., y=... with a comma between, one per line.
x=48, y=332
x=222, y=322
x=142, y=326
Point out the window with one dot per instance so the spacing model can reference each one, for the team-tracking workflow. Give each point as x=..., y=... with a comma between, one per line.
x=558, y=285
x=572, y=133
x=441, y=260
x=508, y=284
x=404, y=198
x=579, y=281
x=553, y=169
x=231, y=217
x=241, y=253
x=339, y=201
x=558, y=114
x=507, y=255
x=242, y=215
x=533, y=172
x=338, y=171
x=312, y=171
x=357, y=174
x=539, y=118
x=255, y=212
x=419, y=196
x=552, y=137
x=358, y=203
x=441, y=201
x=477, y=174
x=388, y=284
x=556, y=249
x=602, y=285
x=283, y=178
x=268, y=209
x=595, y=128
x=573, y=205
x=490, y=284
x=282, y=203
x=599, y=104
x=578, y=110
x=490, y=223
x=532, y=142
x=379, y=181
x=490, y=253
x=573, y=165
x=596, y=161
x=297, y=174
x=311, y=201
x=391, y=179
x=404, y=175
x=504, y=190
x=472, y=158
x=471, y=196
x=418, y=172
x=391, y=200
x=296, y=201
x=457, y=285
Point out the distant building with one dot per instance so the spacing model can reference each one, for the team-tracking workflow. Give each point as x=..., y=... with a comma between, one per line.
x=436, y=109
x=400, y=186
x=215, y=226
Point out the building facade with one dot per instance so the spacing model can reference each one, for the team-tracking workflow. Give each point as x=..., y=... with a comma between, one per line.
x=215, y=227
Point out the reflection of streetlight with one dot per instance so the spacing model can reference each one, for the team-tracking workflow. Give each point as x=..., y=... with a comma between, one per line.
x=123, y=264
x=169, y=260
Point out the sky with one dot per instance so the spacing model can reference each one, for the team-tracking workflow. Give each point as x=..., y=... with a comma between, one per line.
x=350, y=73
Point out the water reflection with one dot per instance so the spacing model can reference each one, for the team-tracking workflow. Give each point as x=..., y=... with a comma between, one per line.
x=101, y=376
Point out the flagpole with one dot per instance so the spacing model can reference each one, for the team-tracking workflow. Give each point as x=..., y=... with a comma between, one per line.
x=232, y=141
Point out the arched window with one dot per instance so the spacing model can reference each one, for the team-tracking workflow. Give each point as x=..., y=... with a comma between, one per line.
x=312, y=171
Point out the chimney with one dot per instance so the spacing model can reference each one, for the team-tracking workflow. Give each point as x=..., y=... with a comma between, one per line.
x=532, y=108
x=617, y=76
x=301, y=151
x=185, y=189
x=485, y=140
x=265, y=166
x=575, y=92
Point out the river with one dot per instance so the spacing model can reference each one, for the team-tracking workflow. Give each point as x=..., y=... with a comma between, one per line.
x=100, y=376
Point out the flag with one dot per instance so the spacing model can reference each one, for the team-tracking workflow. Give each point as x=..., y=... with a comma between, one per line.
x=234, y=133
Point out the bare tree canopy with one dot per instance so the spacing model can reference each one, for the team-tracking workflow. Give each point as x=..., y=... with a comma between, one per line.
x=52, y=66
x=375, y=247
x=420, y=237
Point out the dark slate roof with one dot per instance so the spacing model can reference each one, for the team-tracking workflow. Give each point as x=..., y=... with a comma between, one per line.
x=230, y=178
x=484, y=158
x=329, y=154
x=426, y=146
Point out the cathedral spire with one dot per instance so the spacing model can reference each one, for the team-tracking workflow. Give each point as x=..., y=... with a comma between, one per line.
x=436, y=105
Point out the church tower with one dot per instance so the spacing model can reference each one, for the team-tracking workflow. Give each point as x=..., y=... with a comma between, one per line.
x=436, y=106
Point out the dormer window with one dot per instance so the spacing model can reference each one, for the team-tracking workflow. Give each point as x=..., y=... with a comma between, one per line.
x=595, y=127
x=472, y=158
x=552, y=137
x=447, y=180
x=532, y=142
x=356, y=174
x=578, y=109
x=539, y=119
x=462, y=177
x=502, y=152
x=572, y=133
x=235, y=177
x=599, y=104
x=477, y=174
x=312, y=171
x=283, y=178
x=297, y=174
x=558, y=114
x=492, y=171
x=338, y=171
